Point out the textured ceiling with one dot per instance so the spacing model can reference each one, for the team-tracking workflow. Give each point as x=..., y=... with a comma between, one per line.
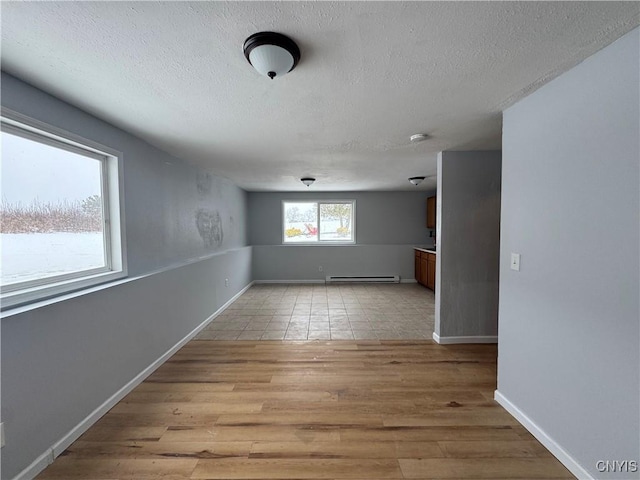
x=371, y=74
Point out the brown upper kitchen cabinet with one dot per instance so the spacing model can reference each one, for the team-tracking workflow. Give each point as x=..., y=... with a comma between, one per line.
x=431, y=212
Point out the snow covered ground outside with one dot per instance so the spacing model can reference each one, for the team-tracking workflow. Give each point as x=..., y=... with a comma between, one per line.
x=329, y=232
x=27, y=256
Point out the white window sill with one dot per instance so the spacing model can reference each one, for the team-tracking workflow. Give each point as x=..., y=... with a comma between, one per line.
x=26, y=297
x=319, y=244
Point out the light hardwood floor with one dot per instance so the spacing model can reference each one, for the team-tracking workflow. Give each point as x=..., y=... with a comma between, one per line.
x=324, y=409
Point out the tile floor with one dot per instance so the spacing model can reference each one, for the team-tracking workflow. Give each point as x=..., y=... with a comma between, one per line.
x=326, y=312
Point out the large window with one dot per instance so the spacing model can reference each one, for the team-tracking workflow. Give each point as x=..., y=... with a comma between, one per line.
x=59, y=212
x=312, y=222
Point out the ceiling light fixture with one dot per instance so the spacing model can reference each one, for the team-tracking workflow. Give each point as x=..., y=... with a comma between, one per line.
x=416, y=180
x=418, y=137
x=307, y=181
x=271, y=54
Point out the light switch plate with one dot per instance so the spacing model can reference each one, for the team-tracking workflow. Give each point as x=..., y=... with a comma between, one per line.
x=515, y=262
x=1, y=435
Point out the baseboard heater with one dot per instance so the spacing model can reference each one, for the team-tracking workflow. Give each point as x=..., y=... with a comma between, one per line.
x=361, y=279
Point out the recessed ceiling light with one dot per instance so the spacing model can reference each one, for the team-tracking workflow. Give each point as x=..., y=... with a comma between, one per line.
x=419, y=137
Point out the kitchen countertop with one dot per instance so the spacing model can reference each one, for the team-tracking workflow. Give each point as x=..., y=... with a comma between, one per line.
x=426, y=249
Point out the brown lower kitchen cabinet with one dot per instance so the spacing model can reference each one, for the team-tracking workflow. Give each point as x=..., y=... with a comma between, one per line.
x=425, y=269
x=431, y=271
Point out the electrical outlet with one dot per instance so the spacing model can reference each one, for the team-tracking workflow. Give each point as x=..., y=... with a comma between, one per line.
x=515, y=262
x=226, y=282
x=320, y=268
x=1, y=435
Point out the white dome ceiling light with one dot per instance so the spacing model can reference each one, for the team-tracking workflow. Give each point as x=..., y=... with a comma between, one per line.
x=418, y=137
x=416, y=180
x=307, y=181
x=271, y=54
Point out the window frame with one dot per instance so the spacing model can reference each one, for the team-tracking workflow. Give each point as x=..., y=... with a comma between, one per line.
x=318, y=203
x=112, y=194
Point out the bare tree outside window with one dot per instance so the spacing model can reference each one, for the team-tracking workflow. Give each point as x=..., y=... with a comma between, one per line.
x=335, y=220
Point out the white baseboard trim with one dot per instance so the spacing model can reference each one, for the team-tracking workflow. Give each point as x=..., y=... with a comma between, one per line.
x=557, y=451
x=469, y=339
x=38, y=465
x=408, y=280
x=289, y=281
x=46, y=458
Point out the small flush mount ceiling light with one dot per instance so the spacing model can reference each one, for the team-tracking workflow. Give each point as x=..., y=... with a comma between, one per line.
x=271, y=54
x=307, y=181
x=418, y=137
x=416, y=180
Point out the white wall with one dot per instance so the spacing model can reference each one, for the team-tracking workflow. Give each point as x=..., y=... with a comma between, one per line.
x=569, y=320
x=388, y=224
x=467, y=266
x=62, y=361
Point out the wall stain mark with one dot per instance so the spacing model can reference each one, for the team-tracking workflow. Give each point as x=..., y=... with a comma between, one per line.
x=209, y=225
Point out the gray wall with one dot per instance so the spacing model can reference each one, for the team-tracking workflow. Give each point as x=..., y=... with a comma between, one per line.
x=162, y=193
x=388, y=224
x=467, y=265
x=569, y=320
x=61, y=361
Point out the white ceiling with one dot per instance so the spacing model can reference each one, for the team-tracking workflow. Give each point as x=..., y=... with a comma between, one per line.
x=371, y=74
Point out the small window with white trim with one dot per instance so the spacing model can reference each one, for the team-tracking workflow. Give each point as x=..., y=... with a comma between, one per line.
x=60, y=218
x=319, y=222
